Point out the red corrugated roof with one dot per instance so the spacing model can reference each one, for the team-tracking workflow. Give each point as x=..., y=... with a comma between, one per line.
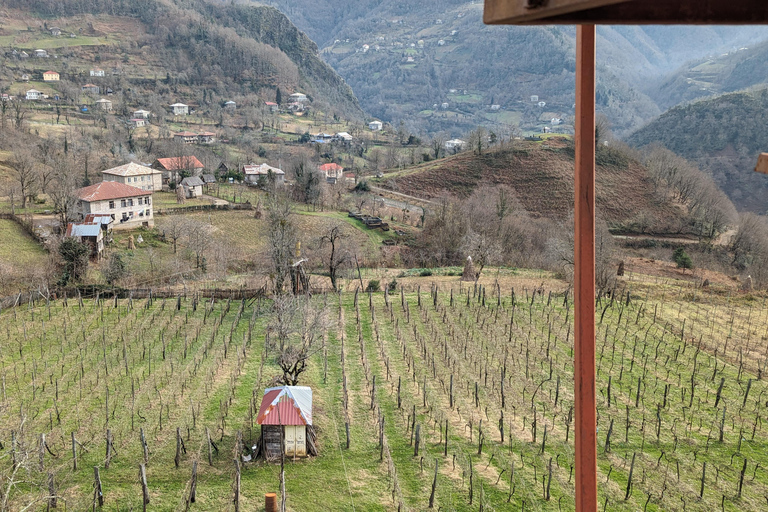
x=331, y=167
x=180, y=163
x=284, y=411
x=109, y=190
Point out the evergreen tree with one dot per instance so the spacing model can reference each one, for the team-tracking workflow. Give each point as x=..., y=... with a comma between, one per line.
x=278, y=97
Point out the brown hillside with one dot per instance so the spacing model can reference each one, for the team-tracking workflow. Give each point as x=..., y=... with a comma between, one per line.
x=542, y=176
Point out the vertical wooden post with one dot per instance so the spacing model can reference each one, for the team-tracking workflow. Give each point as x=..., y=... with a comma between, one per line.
x=584, y=273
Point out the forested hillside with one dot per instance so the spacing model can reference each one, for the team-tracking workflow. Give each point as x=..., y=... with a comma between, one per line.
x=724, y=135
x=229, y=49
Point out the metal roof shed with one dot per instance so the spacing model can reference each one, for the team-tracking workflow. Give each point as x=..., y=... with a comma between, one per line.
x=286, y=414
x=587, y=13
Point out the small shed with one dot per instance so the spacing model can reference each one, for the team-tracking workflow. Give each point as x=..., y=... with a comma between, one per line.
x=286, y=414
x=193, y=187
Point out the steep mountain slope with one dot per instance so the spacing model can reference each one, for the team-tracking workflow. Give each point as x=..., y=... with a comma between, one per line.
x=724, y=135
x=542, y=176
x=227, y=49
x=729, y=72
x=374, y=45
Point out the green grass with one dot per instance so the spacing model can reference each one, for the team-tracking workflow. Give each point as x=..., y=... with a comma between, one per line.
x=17, y=248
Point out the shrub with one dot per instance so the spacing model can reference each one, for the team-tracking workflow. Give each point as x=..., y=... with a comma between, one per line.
x=425, y=272
x=362, y=186
x=373, y=286
x=681, y=258
x=392, y=286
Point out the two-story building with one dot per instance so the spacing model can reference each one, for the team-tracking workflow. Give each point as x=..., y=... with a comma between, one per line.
x=34, y=94
x=173, y=167
x=135, y=175
x=180, y=109
x=131, y=207
x=253, y=172
x=51, y=76
x=97, y=72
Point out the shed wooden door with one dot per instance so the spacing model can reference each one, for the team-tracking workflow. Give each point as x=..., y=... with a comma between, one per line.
x=290, y=440
x=301, y=441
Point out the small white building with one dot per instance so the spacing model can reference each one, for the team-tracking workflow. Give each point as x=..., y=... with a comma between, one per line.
x=556, y=121
x=97, y=72
x=131, y=207
x=55, y=31
x=135, y=175
x=141, y=114
x=444, y=106
x=535, y=98
x=375, y=125
x=104, y=104
x=230, y=105
x=40, y=54
x=180, y=109
x=495, y=107
x=298, y=97
x=34, y=94
x=542, y=104
x=454, y=145
x=193, y=187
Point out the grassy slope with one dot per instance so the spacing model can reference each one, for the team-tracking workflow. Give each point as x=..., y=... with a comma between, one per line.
x=642, y=341
x=542, y=176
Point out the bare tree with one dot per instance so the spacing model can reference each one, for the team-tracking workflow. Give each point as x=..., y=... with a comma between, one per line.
x=63, y=192
x=297, y=323
x=23, y=170
x=199, y=239
x=281, y=239
x=339, y=255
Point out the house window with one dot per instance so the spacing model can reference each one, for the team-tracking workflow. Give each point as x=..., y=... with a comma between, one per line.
x=130, y=214
x=130, y=202
x=122, y=203
x=148, y=201
x=148, y=212
x=111, y=205
x=125, y=217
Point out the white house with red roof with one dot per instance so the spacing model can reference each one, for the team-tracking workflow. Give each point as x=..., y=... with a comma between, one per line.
x=172, y=167
x=286, y=415
x=131, y=207
x=253, y=172
x=332, y=171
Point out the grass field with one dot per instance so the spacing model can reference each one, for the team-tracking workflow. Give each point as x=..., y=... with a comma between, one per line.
x=671, y=365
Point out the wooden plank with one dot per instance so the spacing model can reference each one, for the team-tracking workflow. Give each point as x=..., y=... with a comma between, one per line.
x=584, y=274
x=635, y=12
x=520, y=11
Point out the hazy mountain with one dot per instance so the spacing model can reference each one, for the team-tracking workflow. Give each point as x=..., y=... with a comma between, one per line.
x=396, y=78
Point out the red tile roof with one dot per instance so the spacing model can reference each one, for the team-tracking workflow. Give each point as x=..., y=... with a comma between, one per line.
x=179, y=163
x=331, y=167
x=109, y=190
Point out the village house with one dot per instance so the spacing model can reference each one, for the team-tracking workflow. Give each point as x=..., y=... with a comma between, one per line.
x=185, y=137
x=253, y=172
x=174, y=166
x=295, y=106
x=193, y=187
x=180, y=109
x=343, y=137
x=230, y=105
x=55, y=31
x=25, y=77
x=138, y=122
x=51, y=76
x=454, y=145
x=89, y=233
x=34, y=94
x=495, y=107
x=332, y=171
x=298, y=97
x=40, y=54
x=272, y=106
x=534, y=98
x=97, y=72
x=375, y=125
x=141, y=114
x=444, y=106
x=91, y=89
x=135, y=175
x=206, y=138
x=208, y=179
x=104, y=104
x=130, y=206
x=285, y=417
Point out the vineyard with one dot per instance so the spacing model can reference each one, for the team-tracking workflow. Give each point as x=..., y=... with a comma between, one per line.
x=458, y=398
